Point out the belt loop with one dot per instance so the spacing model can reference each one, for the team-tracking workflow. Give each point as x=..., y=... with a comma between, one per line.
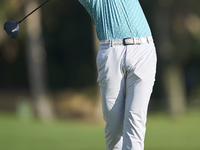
x=140, y=40
x=111, y=43
x=148, y=39
x=134, y=41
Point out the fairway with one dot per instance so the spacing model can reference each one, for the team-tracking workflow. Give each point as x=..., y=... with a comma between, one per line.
x=163, y=133
x=67, y=135
x=167, y=133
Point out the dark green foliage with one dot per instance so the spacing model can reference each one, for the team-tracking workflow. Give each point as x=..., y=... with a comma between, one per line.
x=68, y=38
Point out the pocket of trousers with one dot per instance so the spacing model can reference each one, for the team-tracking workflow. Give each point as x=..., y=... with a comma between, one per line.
x=100, y=62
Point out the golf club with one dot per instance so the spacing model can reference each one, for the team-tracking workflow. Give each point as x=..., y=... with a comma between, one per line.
x=12, y=27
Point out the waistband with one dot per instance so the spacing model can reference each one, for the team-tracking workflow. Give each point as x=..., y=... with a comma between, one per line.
x=128, y=41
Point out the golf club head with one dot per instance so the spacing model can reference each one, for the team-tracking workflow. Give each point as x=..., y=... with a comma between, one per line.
x=12, y=28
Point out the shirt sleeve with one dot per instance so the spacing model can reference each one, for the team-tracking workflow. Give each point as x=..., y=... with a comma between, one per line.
x=85, y=4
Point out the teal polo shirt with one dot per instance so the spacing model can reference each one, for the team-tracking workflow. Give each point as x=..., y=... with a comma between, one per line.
x=117, y=19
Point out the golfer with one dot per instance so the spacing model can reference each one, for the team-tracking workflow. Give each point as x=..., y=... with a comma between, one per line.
x=126, y=64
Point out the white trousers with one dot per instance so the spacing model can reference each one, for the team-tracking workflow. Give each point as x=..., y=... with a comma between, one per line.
x=126, y=76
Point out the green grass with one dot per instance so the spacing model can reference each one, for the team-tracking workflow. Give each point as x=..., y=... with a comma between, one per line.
x=67, y=135
x=163, y=133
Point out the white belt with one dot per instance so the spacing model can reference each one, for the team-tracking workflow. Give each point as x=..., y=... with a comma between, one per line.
x=128, y=41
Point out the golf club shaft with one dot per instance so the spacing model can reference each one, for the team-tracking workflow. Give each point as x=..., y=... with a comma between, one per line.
x=33, y=11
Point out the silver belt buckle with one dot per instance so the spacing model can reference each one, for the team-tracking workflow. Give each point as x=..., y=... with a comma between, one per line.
x=125, y=41
x=133, y=41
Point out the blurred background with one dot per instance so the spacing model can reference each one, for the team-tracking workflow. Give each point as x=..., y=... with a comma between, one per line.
x=48, y=89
